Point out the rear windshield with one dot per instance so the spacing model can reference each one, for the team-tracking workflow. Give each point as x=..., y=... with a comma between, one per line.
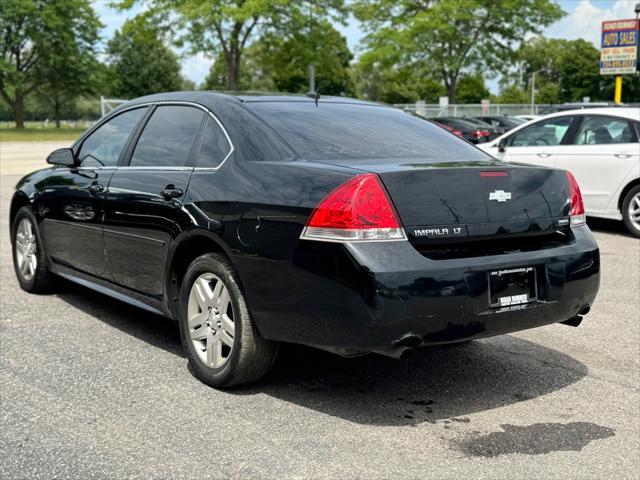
x=342, y=131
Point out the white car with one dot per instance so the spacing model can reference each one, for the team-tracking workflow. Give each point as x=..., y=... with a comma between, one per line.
x=600, y=146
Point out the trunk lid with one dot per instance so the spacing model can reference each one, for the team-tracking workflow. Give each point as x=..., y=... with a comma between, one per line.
x=439, y=201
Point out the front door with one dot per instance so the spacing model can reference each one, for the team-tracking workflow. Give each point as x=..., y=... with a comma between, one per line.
x=74, y=201
x=144, y=198
x=539, y=143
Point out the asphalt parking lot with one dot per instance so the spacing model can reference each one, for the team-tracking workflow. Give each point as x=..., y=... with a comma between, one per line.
x=93, y=388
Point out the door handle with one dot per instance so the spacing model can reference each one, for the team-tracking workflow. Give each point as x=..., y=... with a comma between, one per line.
x=622, y=155
x=170, y=191
x=95, y=188
x=544, y=155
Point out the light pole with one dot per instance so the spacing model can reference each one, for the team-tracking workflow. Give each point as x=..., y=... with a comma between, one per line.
x=533, y=88
x=637, y=10
x=312, y=68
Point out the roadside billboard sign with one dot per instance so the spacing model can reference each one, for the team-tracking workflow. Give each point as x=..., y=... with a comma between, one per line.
x=619, y=47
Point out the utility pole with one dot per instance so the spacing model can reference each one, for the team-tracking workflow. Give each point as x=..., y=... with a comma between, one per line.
x=312, y=79
x=312, y=69
x=533, y=89
x=617, y=98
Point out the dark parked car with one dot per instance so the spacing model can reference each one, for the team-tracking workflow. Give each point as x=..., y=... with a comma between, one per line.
x=470, y=130
x=494, y=132
x=502, y=123
x=344, y=225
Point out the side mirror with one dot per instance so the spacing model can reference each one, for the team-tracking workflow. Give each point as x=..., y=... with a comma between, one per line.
x=62, y=156
x=501, y=145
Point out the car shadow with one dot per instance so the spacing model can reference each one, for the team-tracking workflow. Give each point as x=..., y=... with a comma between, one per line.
x=608, y=226
x=438, y=384
x=153, y=329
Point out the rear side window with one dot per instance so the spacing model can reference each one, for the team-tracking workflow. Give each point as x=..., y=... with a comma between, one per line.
x=343, y=131
x=214, y=147
x=103, y=147
x=168, y=137
x=604, y=130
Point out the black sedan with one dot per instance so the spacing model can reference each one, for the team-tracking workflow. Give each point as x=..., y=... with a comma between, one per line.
x=344, y=225
x=502, y=123
x=470, y=130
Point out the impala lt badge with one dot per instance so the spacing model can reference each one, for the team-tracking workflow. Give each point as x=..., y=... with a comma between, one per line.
x=500, y=196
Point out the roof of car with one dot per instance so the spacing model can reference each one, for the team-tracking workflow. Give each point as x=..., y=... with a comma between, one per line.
x=209, y=98
x=632, y=113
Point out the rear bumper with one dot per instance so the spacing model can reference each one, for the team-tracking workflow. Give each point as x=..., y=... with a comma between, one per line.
x=379, y=295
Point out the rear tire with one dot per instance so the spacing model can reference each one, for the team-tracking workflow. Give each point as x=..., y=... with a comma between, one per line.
x=29, y=258
x=631, y=211
x=222, y=344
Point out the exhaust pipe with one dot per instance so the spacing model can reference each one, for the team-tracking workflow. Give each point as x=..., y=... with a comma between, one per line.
x=573, y=322
x=399, y=353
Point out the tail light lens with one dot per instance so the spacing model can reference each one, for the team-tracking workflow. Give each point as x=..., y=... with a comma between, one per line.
x=456, y=132
x=479, y=133
x=576, y=212
x=358, y=210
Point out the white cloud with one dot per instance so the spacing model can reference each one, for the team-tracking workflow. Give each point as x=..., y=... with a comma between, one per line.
x=585, y=20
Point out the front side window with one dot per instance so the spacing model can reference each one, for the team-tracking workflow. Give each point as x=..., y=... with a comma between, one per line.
x=103, y=147
x=604, y=130
x=545, y=133
x=214, y=147
x=167, y=138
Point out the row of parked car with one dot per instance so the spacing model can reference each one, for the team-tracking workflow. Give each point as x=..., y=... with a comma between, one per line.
x=479, y=129
x=600, y=146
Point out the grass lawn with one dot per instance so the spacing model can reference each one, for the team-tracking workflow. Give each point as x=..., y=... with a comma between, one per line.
x=9, y=134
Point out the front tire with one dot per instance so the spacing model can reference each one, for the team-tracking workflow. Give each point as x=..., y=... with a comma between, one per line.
x=631, y=211
x=29, y=259
x=222, y=344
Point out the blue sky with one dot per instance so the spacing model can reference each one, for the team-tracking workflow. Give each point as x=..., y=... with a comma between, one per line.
x=582, y=21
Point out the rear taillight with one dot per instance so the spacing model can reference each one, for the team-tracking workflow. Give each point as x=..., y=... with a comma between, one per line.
x=479, y=133
x=456, y=132
x=576, y=211
x=358, y=210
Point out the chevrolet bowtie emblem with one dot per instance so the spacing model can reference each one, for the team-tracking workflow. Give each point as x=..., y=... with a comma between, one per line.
x=500, y=196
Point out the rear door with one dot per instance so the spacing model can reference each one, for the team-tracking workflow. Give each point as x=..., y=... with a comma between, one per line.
x=537, y=144
x=144, y=198
x=74, y=197
x=600, y=155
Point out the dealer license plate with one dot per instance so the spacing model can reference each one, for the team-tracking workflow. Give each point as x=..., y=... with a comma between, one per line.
x=512, y=286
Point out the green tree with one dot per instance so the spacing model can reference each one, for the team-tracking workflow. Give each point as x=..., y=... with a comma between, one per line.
x=287, y=58
x=451, y=36
x=472, y=89
x=254, y=74
x=395, y=85
x=70, y=76
x=630, y=88
x=566, y=70
x=512, y=94
x=141, y=62
x=39, y=41
x=229, y=26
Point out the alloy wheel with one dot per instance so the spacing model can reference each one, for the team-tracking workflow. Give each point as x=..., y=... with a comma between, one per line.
x=634, y=211
x=211, y=320
x=26, y=249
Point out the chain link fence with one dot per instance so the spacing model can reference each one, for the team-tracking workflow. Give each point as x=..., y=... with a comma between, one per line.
x=472, y=109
